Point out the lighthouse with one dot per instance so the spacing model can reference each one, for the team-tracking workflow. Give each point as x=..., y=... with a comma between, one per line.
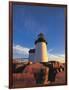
x=41, y=54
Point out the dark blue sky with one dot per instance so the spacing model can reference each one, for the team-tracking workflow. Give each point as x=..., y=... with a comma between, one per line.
x=29, y=21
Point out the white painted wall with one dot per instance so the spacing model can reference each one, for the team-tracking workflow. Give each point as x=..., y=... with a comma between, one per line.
x=31, y=57
x=41, y=52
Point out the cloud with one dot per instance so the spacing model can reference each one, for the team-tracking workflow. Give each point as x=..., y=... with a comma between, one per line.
x=50, y=50
x=20, y=51
x=56, y=57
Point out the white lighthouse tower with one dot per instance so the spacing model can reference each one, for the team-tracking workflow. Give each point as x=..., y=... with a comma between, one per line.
x=41, y=54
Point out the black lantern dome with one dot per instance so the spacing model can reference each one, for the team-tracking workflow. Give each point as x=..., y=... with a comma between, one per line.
x=40, y=38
